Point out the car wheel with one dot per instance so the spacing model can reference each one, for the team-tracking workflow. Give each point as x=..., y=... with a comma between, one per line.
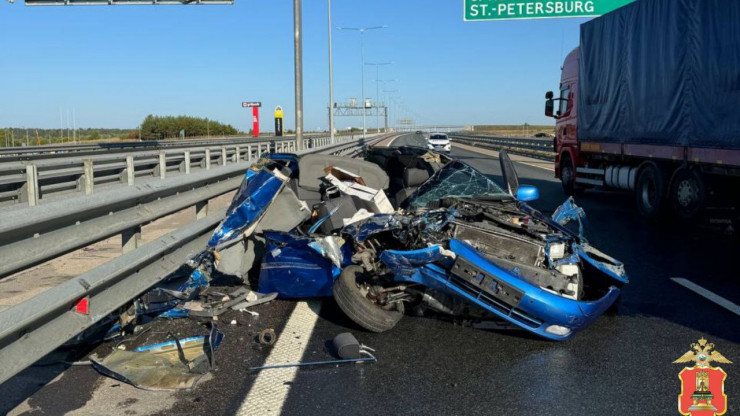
x=362, y=311
x=687, y=193
x=568, y=177
x=650, y=191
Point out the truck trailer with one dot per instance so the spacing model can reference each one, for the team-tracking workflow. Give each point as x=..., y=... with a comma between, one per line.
x=650, y=103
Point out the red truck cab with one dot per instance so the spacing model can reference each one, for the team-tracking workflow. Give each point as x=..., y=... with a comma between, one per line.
x=566, y=128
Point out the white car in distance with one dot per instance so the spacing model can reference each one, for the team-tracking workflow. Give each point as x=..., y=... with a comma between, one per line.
x=439, y=142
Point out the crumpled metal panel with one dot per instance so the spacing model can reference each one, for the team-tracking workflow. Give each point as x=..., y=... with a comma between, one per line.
x=294, y=269
x=568, y=212
x=362, y=230
x=252, y=199
x=406, y=262
x=162, y=302
x=163, y=366
x=603, y=262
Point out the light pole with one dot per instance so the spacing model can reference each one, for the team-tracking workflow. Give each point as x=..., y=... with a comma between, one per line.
x=388, y=106
x=378, y=81
x=362, y=31
x=331, y=86
x=377, y=89
x=298, y=70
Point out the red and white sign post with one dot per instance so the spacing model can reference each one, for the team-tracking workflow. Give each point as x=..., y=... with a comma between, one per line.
x=255, y=116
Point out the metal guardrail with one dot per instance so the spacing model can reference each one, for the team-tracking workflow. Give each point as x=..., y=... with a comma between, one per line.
x=19, y=153
x=36, y=327
x=430, y=128
x=32, y=181
x=536, y=148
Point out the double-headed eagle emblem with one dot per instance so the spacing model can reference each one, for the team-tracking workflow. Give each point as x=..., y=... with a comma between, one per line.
x=702, y=356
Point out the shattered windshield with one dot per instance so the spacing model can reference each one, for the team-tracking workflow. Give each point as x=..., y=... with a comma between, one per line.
x=455, y=180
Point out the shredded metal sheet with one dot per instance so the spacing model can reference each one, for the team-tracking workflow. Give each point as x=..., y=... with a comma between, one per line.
x=163, y=366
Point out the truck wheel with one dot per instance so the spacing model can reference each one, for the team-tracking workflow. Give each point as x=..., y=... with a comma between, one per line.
x=649, y=191
x=687, y=193
x=365, y=313
x=568, y=176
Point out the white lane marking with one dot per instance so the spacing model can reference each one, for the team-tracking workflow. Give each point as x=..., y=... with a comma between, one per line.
x=484, y=151
x=393, y=140
x=270, y=390
x=550, y=168
x=719, y=300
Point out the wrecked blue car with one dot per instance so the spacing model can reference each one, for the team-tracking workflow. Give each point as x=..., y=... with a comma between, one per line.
x=407, y=229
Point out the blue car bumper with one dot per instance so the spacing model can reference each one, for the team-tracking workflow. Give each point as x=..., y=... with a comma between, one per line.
x=507, y=296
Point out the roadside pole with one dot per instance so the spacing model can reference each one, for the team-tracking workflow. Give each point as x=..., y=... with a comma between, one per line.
x=331, y=86
x=298, y=58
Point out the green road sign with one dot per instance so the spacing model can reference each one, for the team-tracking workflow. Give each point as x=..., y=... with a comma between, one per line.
x=538, y=9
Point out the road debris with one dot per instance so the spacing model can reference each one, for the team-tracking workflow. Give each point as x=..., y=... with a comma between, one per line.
x=267, y=336
x=346, y=347
x=172, y=365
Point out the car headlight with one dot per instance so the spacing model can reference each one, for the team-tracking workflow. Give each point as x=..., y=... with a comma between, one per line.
x=558, y=330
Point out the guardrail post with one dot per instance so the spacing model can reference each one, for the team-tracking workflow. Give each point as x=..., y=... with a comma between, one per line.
x=32, y=185
x=249, y=153
x=208, y=159
x=237, y=155
x=162, y=164
x=259, y=150
x=223, y=156
x=88, y=178
x=186, y=162
x=201, y=209
x=130, y=170
x=130, y=239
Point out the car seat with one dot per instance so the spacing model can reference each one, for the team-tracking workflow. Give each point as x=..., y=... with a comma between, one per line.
x=412, y=179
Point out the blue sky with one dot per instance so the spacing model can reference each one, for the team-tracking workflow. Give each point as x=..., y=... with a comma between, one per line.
x=116, y=64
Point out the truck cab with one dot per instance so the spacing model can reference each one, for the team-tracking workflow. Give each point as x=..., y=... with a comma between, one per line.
x=564, y=110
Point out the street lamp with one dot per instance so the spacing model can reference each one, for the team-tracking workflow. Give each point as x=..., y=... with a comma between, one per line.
x=377, y=89
x=298, y=71
x=388, y=105
x=331, y=85
x=362, y=31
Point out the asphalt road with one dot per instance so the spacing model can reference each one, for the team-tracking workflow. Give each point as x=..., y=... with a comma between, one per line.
x=622, y=364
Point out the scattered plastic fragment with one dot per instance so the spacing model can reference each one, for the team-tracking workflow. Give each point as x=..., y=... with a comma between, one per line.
x=348, y=347
x=237, y=300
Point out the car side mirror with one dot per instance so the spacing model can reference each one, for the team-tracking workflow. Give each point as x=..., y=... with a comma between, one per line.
x=527, y=193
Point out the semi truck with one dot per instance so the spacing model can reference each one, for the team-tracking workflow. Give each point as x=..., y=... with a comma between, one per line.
x=649, y=103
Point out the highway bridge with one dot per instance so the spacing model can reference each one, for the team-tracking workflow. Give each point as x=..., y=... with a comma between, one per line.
x=425, y=365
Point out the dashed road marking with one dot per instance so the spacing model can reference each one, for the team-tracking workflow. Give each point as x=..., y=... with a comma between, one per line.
x=270, y=390
x=711, y=296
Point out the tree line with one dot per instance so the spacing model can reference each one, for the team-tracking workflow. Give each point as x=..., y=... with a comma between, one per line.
x=152, y=128
x=167, y=127
x=15, y=136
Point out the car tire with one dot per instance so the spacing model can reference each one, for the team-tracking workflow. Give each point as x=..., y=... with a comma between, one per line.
x=650, y=192
x=568, y=176
x=687, y=193
x=358, y=308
